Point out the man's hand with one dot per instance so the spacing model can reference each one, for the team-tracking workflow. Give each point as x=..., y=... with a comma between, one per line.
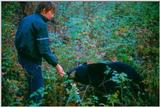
x=60, y=70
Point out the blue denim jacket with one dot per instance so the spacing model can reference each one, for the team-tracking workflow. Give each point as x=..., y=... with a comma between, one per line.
x=32, y=41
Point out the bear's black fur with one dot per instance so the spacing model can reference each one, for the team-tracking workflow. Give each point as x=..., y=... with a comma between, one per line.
x=100, y=76
x=94, y=74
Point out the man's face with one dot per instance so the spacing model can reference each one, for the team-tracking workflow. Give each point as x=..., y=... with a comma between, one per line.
x=49, y=15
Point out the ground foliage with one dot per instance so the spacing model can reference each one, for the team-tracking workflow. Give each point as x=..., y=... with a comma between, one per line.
x=87, y=31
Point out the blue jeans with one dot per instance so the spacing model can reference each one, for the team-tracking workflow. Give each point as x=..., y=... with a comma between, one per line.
x=34, y=77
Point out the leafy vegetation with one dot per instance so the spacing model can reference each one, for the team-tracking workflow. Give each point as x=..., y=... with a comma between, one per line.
x=88, y=31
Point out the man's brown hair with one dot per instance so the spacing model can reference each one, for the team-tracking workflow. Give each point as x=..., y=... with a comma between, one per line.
x=45, y=5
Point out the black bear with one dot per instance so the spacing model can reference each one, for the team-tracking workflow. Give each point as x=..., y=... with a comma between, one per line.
x=107, y=76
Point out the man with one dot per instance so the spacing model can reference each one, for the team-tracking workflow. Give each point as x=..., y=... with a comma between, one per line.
x=32, y=44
